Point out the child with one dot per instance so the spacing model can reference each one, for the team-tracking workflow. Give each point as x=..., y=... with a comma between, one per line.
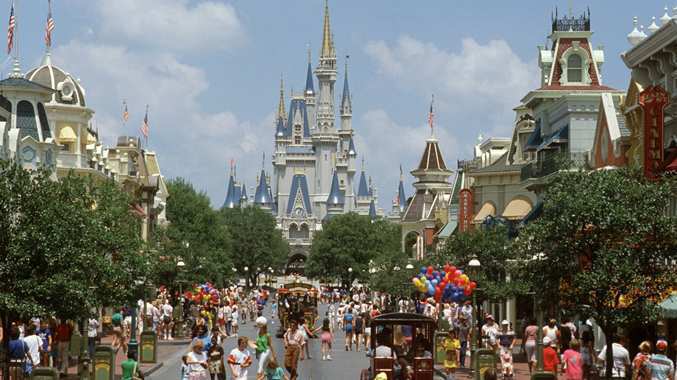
x=451, y=346
x=506, y=340
x=326, y=338
x=184, y=367
x=274, y=371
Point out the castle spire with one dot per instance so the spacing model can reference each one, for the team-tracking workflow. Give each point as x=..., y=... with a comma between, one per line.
x=346, y=103
x=327, y=43
x=281, y=113
x=310, y=88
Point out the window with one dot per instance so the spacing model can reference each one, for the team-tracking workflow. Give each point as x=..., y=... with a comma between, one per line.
x=574, y=68
x=297, y=140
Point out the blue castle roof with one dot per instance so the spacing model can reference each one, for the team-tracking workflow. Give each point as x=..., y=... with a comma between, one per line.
x=297, y=105
x=372, y=210
x=232, y=194
x=310, y=87
x=262, y=198
x=401, y=197
x=351, y=147
x=299, y=183
x=336, y=197
x=363, y=189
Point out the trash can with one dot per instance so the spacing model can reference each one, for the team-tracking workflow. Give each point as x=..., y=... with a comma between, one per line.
x=148, y=351
x=104, y=363
x=486, y=359
x=44, y=373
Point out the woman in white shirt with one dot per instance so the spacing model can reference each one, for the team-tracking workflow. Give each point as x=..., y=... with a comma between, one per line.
x=34, y=344
x=197, y=362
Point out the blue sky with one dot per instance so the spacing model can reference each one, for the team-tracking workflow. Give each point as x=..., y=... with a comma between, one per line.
x=210, y=71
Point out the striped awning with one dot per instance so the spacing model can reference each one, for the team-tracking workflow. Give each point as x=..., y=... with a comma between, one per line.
x=486, y=210
x=517, y=209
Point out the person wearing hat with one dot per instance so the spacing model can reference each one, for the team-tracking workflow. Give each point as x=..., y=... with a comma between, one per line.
x=661, y=367
x=263, y=345
x=506, y=341
x=463, y=337
x=550, y=357
x=490, y=332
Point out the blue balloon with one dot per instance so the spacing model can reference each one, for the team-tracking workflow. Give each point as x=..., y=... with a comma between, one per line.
x=423, y=270
x=434, y=282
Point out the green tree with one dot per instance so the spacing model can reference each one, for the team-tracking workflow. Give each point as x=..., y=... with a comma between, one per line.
x=603, y=247
x=195, y=234
x=257, y=244
x=351, y=241
x=493, y=248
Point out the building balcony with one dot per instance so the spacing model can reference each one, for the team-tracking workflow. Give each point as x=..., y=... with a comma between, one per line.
x=542, y=168
x=72, y=160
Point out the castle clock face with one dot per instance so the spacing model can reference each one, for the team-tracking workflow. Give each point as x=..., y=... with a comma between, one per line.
x=299, y=212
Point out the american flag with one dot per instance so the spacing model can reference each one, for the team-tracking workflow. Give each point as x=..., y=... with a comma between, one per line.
x=125, y=112
x=431, y=114
x=49, y=26
x=10, y=30
x=145, y=128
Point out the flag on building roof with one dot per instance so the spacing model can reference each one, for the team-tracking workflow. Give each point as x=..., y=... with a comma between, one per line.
x=431, y=114
x=49, y=26
x=125, y=112
x=145, y=128
x=10, y=30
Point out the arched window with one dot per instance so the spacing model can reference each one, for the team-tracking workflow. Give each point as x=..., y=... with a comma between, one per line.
x=304, y=232
x=574, y=68
x=26, y=120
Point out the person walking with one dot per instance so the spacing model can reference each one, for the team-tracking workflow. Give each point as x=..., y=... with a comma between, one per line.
x=274, y=371
x=292, y=346
x=660, y=366
x=550, y=357
x=305, y=351
x=551, y=331
x=34, y=345
x=639, y=367
x=197, y=362
x=45, y=333
x=451, y=345
x=130, y=368
x=63, y=338
x=359, y=331
x=572, y=362
x=92, y=334
x=240, y=359
x=506, y=342
x=263, y=346
x=621, y=358
x=529, y=343
x=326, y=338
x=348, y=328
x=217, y=370
x=463, y=337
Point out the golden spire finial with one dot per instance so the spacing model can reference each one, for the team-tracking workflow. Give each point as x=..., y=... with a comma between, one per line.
x=327, y=44
x=281, y=113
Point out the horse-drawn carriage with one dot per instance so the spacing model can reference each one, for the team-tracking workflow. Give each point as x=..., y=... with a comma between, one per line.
x=295, y=301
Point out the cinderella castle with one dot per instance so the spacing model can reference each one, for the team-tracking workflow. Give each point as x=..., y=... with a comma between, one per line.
x=314, y=161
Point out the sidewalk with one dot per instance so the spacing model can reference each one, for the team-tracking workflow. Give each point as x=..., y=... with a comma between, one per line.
x=521, y=372
x=165, y=350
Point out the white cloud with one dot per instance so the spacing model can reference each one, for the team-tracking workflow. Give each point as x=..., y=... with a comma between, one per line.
x=190, y=141
x=387, y=144
x=480, y=83
x=174, y=25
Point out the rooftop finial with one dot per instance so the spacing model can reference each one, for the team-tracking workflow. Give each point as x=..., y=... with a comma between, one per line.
x=263, y=161
x=281, y=113
x=653, y=27
x=431, y=116
x=634, y=37
x=16, y=69
x=346, y=103
x=666, y=16
x=363, y=163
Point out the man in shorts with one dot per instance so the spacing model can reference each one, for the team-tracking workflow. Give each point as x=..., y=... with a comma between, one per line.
x=167, y=322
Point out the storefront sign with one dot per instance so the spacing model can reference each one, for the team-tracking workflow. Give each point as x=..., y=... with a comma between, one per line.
x=653, y=101
x=465, y=206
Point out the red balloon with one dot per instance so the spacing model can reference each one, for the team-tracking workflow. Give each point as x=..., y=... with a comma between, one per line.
x=452, y=269
x=467, y=291
x=430, y=270
x=473, y=285
x=457, y=273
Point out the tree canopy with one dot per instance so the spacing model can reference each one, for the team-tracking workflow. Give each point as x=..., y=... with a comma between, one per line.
x=603, y=247
x=256, y=243
x=351, y=241
x=197, y=235
x=65, y=245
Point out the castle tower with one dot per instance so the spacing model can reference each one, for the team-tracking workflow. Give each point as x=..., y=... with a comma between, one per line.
x=325, y=137
x=309, y=95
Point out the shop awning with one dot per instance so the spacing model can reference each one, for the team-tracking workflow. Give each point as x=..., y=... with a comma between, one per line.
x=67, y=135
x=668, y=308
x=517, y=209
x=486, y=210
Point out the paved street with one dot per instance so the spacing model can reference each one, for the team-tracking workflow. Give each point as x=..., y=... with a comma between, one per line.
x=345, y=365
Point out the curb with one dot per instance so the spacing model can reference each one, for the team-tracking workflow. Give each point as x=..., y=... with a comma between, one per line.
x=152, y=369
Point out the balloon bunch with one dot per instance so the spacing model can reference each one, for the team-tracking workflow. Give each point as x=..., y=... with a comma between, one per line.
x=446, y=284
x=204, y=294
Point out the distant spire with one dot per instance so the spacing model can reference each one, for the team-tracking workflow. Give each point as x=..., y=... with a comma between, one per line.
x=346, y=103
x=310, y=87
x=401, y=197
x=327, y=43
x=372, y=210
x=281, y=113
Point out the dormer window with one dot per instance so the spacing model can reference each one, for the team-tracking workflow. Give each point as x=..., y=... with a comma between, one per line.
x=574, y=68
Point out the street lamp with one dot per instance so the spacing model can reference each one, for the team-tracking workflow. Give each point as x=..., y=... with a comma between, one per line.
x=474, y=266
x=409, y=266
x=133, y=346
